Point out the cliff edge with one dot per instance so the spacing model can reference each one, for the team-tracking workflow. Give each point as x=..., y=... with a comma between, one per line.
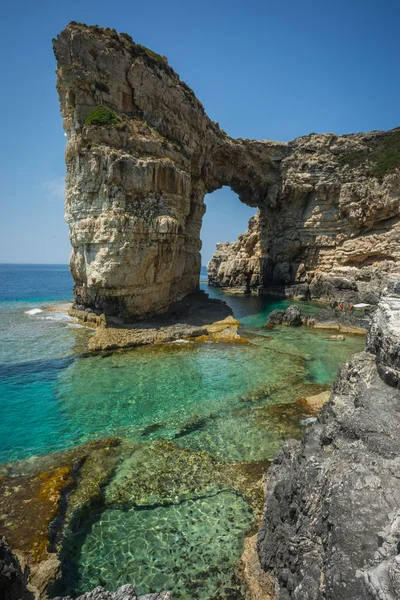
x=331, y=526
x=142, y=154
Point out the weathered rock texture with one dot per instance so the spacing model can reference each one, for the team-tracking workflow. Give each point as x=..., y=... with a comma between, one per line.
x=126, y=592
x=333, y=232
x=331, y=526
x=135, y=189
x=240, y=264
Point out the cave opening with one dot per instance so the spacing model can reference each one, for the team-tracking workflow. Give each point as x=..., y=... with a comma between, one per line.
x=225, y=218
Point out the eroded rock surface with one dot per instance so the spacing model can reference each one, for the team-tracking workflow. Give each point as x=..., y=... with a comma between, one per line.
x=142, y=154
x=126, y=592
x=331, y=521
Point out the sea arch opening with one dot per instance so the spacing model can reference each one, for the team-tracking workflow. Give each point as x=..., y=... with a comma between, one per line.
x=225, y=218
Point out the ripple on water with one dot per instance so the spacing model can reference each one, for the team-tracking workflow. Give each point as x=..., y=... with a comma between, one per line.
x=226, y=400
x=154, y=548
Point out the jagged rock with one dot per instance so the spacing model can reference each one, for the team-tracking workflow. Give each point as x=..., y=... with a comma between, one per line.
x=126, y=592
x=238, y=264
x=276, y=317
x=383, y=338
x=137, y=176
x=338, y=320
x=12, y=580
x=291, y=316
x=331, y=524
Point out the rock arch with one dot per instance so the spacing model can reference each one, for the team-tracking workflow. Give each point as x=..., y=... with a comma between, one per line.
x=135, y=185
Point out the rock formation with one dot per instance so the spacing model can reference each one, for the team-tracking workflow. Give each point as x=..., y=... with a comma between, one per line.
x=141, y=155
x=333, y=231
x=331, y=526
x=126, y=592
x=239, y=264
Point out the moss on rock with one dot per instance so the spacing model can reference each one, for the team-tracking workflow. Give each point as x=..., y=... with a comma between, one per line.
x=102, y=115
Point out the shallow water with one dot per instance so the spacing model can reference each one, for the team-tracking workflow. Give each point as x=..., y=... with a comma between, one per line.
x=157, y=547
x=234, y=402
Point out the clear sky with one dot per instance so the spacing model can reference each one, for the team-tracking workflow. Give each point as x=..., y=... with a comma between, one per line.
x=262, y=69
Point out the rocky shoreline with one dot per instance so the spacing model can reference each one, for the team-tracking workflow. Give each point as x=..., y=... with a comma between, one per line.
x=331, y=521
x=196, y=318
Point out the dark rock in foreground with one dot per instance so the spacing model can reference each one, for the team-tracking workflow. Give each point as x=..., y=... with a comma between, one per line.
x=331, y=526
x=126, y=592
x=12, y=582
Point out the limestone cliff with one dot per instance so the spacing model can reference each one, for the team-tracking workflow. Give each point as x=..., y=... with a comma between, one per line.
x=331, y=525
x=239, y=264
x=141, y=155
x=138, y=170
x=334, y=231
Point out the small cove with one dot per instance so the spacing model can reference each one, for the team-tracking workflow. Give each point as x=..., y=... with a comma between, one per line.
x=233, y=403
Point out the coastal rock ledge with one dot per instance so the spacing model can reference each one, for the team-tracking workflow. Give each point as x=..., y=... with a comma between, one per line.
x=331, y=525
x=142, y=154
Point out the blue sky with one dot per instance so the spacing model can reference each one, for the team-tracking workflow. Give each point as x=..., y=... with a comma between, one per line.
x=262, y=69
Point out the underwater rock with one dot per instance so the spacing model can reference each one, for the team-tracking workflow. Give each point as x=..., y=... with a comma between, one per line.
x=41, y=497
x=331, y=522
x=316, y=402
x=161, y=473
x=256, y=584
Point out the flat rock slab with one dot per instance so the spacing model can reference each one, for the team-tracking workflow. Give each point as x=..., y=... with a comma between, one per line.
x=196, y=318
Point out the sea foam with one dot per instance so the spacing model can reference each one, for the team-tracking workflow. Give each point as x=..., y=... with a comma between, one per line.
x=33, y=311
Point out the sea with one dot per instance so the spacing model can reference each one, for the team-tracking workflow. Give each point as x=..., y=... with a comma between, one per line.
x=231, y=403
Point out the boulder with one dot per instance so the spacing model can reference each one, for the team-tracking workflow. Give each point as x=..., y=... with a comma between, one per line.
x=290, y=317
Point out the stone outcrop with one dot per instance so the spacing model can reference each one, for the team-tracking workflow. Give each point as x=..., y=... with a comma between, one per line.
x=136, y=182
x=239, y=264
x=332, y=234
x=331, y=525
x=290, y=317
x=126, y=592
x=338, y=320
x=12, y=579
x=329, y=319
x=141, y=155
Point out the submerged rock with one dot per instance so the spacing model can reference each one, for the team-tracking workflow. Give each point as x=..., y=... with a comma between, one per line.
x=40, y=498
x=331, y=523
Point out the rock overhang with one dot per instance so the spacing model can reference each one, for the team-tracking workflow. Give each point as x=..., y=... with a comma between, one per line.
x=135, y=186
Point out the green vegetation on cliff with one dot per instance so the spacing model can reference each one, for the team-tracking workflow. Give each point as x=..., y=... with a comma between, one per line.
x=102, y=115
x=383, y=155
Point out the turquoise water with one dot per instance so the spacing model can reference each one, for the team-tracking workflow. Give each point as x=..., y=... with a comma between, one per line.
x=158, y=546
x=234, y=402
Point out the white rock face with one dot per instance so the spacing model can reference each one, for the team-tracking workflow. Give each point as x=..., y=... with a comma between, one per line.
x=135, y=188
